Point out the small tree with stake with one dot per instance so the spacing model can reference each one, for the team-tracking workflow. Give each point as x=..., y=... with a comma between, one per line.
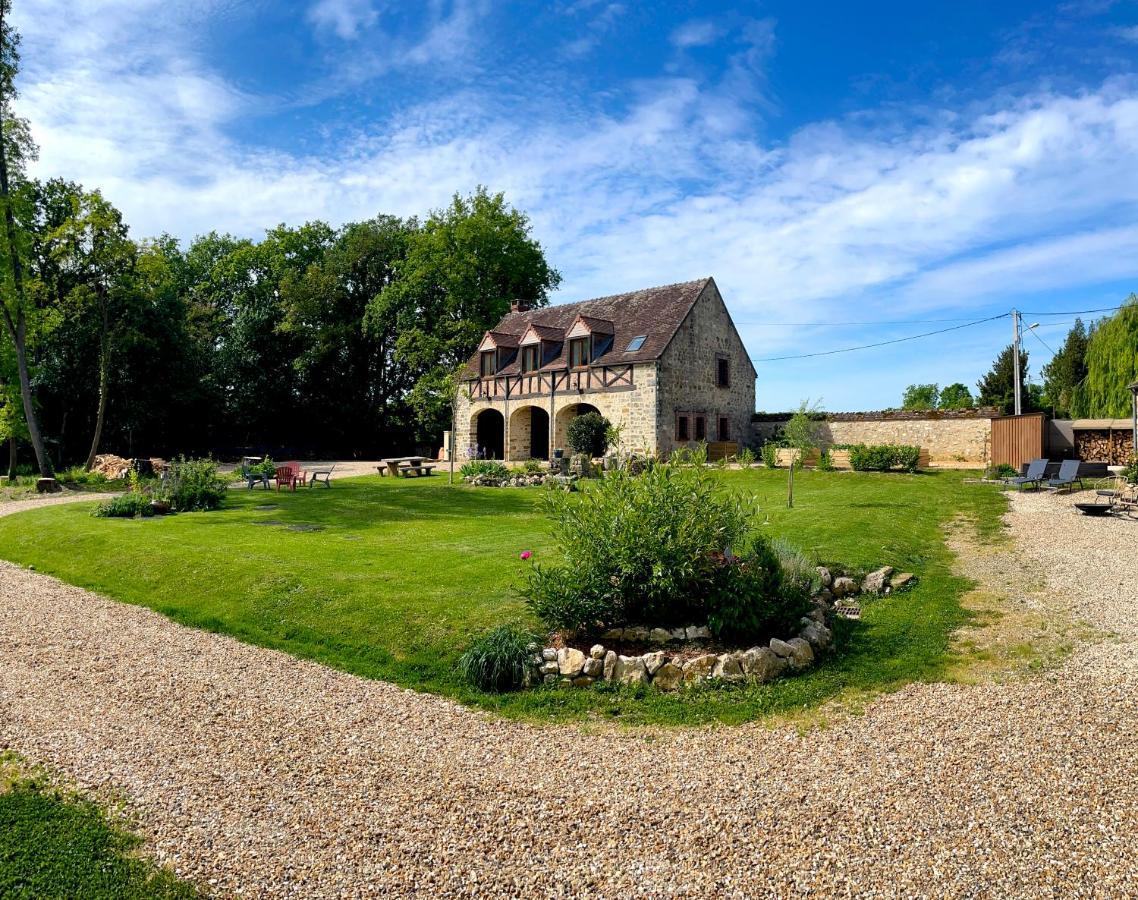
x=802, y=433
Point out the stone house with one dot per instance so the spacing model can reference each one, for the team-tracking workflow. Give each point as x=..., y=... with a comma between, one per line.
x=665, y=364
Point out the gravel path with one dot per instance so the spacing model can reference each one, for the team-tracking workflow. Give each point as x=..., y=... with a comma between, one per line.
x=10, y=507
x=263, y=775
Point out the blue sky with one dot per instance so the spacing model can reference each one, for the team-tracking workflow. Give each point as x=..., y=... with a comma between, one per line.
x=826, y=162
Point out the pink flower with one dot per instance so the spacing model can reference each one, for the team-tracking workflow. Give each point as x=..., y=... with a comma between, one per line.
x=526, y=554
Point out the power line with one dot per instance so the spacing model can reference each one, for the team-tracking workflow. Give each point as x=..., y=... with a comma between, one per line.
x=1074, y=312
x=1043, y=342
x=900, y=340
x=844, y=324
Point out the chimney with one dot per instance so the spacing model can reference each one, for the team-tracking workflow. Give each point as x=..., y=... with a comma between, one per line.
x=520, y=306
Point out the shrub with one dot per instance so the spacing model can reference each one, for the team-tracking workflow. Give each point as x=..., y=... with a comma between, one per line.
x=689, y=456
x=1003, y=470
x=1130, y=473
x=192, y=484
x=126, y=506
x=589, y=434
x=800, y=573
x=533, y=467
x=637, y=549
x=825, y=463
x=884, y=457
x=80, y=475
x=769, y=453
x=498, y=660
x=746, y=458
x=490, y=467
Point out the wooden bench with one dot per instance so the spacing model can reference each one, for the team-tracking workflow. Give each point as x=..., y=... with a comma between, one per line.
x=419, y=470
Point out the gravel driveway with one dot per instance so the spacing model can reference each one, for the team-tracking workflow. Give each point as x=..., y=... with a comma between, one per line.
x=257, y=773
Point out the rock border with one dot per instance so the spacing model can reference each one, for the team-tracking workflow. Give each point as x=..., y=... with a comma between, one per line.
x=759, y=664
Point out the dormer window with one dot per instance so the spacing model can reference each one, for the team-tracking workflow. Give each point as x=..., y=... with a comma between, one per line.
x=489, y=363
x=579, y=352
x=531, y=358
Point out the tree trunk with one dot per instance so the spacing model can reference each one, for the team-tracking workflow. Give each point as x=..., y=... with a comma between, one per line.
x=17, y=327
x=100, y=417
x=11, y=458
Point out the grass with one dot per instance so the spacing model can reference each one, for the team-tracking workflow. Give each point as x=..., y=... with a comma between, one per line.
x=399, y=575
x=57, y=844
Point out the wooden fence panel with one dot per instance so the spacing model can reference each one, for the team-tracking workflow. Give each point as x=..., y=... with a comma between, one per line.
x=1018, y=439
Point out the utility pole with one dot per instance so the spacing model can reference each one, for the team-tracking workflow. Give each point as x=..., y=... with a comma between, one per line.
x=1015, y=362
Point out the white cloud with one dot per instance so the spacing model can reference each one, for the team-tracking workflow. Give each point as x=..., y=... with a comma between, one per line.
x=1015, y=196
x=345, y=17
x=696, y=33
x=1128, y=34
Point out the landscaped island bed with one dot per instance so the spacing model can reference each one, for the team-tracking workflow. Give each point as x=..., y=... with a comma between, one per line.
x=391, y=579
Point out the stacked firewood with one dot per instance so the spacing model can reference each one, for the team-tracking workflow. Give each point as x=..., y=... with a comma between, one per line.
x=1113, y=447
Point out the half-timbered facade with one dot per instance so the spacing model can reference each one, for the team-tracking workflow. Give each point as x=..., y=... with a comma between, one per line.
x=665, y=364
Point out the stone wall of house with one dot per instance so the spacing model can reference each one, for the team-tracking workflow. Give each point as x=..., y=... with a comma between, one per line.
x=951, y=438
x=634, y=410
x=688, y=384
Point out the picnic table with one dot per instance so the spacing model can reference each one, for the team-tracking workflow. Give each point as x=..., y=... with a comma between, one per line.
x=403, y=466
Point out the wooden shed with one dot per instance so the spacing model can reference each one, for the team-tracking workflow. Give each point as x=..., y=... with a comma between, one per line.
x=1017, y=440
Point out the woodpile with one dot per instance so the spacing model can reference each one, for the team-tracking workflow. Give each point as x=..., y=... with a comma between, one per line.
x=115, y=467
x=1100, y=445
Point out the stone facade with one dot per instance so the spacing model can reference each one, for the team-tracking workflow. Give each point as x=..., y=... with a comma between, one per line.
x=689, y=379
x=645, y=398
x=961, y=439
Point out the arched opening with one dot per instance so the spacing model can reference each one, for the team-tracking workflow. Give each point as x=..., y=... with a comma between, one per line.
x=529, y=433
x=489, y=429
x=564, y=416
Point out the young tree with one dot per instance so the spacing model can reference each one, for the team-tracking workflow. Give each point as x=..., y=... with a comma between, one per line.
x=15, y=147
x=462, y=269
x=1112, y=365
x=997, y=388
x=956, y=396
x=921, y=397
x=1066, y=371
x=802, y=433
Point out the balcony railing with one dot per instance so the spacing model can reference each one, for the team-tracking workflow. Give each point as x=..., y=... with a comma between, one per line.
x=544, y=384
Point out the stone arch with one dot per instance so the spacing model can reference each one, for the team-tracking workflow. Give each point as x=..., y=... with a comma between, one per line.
x=488, y=429
x=529, y=433
x=565, y=415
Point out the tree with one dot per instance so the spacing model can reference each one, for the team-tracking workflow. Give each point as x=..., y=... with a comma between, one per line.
x=956, y=396
x=802, y=433
x=93, y=249
x=997, y=388
x=15, y=147
x=588, y=434
x=1112, y=365
x=921, y=396
x=462, y=269
x=1066, y=371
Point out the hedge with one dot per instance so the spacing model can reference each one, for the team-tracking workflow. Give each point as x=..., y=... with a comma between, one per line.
x=884, y=457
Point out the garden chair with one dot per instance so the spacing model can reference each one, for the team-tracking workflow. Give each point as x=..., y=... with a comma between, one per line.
x=1035, y=472
x=1067, y=477
x=324, y=475
x=290, y=474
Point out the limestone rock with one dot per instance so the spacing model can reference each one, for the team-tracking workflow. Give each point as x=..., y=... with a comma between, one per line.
x=594, y=668
x=697, y=633
x=902, y=581
x=696, y=670
x=843, y=586
x=636, y=634
x=551, y=668
x=630, y=670
x=668, y=677
x=549, y=654
x=659, y=635
x=653, y=661
x=551, y=678
x=802, y=655
x=613, y=634
x=679, y=634
x=781, y=648
x=761, y=664
x=728, y=667
x=876, y=581
x=597, y=651
x=817, y=636
x=609, y=664
x=824, y=576
x=570, y=661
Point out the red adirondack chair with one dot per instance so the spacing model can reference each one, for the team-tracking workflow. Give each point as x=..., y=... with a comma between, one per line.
x=290, y=474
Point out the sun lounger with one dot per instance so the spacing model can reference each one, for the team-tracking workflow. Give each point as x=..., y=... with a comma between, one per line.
x=1067, y=477
x=1034, y=476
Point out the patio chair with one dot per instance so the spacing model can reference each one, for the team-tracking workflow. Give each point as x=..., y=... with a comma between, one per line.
x=1035, y=472
x=324, y=475
x=289, y=475
x=1067, y=477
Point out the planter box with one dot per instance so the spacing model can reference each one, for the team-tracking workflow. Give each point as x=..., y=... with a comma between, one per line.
x=787, y=455
x=840, y=459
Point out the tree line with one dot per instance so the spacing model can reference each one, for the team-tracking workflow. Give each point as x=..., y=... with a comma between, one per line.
x=315, y=339
x=1088, y=377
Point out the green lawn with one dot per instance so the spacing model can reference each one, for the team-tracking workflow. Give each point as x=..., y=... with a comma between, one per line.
x=401, y=574
x=54, y=844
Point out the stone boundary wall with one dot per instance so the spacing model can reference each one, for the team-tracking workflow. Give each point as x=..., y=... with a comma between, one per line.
x=951, y=438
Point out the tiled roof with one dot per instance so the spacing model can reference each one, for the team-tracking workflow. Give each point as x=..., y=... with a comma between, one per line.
x=654, y=313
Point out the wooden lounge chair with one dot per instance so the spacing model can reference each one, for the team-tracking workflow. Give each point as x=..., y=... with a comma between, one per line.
x=1067, y=477
x=1035, y=472
x=290, y=475
x=324, y=475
